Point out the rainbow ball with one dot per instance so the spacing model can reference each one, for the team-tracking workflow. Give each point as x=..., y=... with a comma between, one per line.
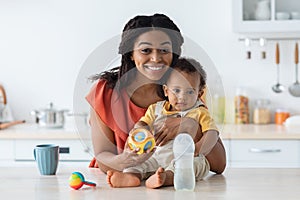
x=76, y=180
x=142, y=139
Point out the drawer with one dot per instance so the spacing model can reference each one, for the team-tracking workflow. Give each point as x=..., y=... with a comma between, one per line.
x=265, y=153
x=70, y=150
x=6, y=150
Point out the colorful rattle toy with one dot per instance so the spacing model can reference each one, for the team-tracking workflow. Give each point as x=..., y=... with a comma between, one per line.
x=142, y=139
x=76, y=181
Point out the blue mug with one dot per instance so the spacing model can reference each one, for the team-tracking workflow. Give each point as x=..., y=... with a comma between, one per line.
x=46, y=156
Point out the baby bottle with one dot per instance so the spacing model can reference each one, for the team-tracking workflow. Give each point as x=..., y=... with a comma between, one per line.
x=183, y=149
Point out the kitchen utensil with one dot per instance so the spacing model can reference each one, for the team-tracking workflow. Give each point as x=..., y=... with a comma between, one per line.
x=5, y=112
x=295, y=88
x=2, y=102
x=277, y=87
x=2, y=95
x=8, y=124
x=262, y=43
x=50, y=117
x=247, y=45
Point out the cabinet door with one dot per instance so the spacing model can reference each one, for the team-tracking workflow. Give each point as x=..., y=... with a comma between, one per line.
x=6, y=150
x=70, y=150
x=227, y=149
x=265, y=153
x=246, y=16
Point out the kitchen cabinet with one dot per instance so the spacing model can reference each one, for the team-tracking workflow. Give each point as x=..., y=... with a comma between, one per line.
x=265, y=153
x=69, y=150
x=247, y=145
x=270, y=145
x=226, y=144
x=250, y=16
x=17, y=143
x=6, y=149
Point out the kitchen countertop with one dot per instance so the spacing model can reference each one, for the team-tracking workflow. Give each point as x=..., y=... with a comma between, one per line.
x=33, y=131
x=228, y=131
x=26, y=183
x=252, y=131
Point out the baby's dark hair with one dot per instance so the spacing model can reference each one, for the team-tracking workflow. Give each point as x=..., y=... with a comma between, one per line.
x=190, y=65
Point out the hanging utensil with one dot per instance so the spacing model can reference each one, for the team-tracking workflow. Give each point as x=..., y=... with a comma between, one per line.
x=278, y=88
x=247, y=45
x=262, y=43
x=295, y=88
x=3, y=102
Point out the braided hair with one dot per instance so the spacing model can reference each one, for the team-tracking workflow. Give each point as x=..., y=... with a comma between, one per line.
x=132, y=30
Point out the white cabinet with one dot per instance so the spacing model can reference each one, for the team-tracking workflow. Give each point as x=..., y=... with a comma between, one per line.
x=264, y=153
x=250, y=16
x=70, y=150
x=226, y=144
x=6, y=149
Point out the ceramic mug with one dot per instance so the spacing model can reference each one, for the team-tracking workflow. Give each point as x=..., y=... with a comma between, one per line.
x=46, y=156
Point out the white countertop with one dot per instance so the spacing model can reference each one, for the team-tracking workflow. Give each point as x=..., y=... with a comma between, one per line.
x=252, y=131
x=33, y=131
x=27, y=183
x=228, y=131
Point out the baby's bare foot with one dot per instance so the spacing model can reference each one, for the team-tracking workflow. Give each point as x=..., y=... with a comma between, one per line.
x=118, y=179
x=156, y=180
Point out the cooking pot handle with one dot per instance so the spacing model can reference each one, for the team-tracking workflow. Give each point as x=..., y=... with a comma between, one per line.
x=34, y=112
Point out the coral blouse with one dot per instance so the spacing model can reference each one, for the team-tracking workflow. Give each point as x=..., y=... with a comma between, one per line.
x=116, y=110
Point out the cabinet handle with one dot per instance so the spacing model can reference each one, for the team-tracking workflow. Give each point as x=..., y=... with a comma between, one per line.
x=256, y=150
x=64, y=150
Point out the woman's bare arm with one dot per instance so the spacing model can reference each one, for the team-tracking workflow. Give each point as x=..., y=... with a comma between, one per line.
x=168, y=128
x=207, y=142
x=105, y=148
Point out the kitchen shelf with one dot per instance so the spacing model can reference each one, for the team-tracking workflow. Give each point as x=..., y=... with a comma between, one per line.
x=245, y=21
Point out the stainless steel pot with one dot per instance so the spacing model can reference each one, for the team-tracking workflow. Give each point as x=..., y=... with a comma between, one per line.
x=50, y=117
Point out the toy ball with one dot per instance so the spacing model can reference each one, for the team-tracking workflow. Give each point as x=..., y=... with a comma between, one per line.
x=141, y=139
x=76, y=181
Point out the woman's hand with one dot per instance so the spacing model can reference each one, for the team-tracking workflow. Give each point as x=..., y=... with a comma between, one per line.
x=130, y=158
x=105, y=149
x=168, y=128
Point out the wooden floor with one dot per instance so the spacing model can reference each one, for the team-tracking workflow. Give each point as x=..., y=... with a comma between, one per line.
x=24, y=182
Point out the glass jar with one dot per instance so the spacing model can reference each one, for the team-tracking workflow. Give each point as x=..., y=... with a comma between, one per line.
x=241, y=104
x=219, y=109
x=261, y=112
x=281, y=115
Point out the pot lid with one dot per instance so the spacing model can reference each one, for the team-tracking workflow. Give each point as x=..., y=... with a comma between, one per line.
x=50, y=108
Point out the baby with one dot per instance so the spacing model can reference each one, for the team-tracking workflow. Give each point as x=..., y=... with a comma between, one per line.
x=183, y=89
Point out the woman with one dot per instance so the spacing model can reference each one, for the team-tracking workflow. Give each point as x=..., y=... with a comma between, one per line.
x=150, y=45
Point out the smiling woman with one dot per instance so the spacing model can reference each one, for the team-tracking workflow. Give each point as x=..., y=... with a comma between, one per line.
x=149, y=46
x=152, y=54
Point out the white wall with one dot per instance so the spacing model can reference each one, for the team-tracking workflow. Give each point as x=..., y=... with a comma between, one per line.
x=43, y=45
